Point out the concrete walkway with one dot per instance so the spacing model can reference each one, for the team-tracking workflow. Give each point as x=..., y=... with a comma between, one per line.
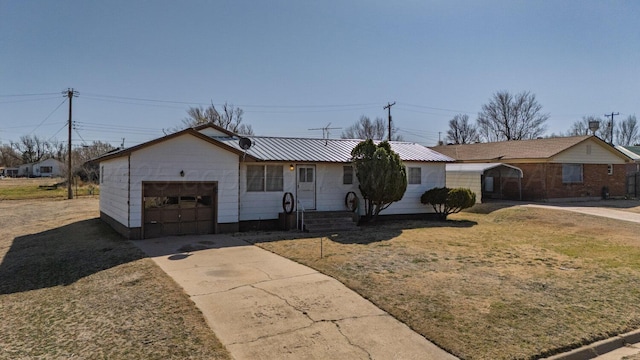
x=596, y=211
x=263, y=306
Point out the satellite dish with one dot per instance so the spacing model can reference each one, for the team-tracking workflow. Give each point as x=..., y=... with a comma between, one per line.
x=594, y=126
x=245, y=143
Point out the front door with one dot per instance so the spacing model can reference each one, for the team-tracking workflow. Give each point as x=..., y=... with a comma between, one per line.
x=307, y=186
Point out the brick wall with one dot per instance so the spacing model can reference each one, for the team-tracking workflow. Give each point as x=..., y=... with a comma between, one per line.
x=544, y=181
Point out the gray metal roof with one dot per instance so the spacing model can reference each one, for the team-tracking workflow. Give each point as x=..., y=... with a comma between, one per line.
x=324, y=150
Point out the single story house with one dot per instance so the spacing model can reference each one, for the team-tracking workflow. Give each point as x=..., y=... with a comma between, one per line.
x=25, y=170
x=9, y=172
x=562, y=168
x=210, y=180
x=48, y=168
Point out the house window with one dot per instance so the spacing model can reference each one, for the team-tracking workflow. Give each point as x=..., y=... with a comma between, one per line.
x=347, y=175
x=275, y=178
x=268, y=177
x=255, y=178
x=415, y=175
x=101, y=174
x=305, y=174
x=571, y=173
x=46, y=169
x=610, y=169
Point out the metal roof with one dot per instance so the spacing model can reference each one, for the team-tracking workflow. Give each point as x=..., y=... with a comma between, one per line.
x=478, y=167
x=323, y=150
x=631, y=151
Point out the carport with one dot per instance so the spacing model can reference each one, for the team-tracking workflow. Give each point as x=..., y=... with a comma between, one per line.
x=487, y=180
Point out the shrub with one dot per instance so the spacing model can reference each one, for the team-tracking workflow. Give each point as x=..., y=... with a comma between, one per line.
x=447, y=201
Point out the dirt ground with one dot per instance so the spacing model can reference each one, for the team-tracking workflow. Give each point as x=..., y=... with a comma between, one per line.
x=72, y=288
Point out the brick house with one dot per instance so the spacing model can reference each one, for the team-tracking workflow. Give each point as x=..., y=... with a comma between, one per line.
x=563, y=168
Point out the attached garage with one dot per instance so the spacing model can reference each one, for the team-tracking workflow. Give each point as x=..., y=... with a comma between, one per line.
x=179, y=208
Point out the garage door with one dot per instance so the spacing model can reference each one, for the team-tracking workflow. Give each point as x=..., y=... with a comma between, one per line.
x=179, y=208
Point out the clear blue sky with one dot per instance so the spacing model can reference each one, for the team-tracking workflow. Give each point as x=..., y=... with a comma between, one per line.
x=297, y=65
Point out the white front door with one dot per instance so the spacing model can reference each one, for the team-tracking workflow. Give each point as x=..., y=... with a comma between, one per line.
x=307, y=186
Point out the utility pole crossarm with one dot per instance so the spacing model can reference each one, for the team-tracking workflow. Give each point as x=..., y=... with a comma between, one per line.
x=388, y=107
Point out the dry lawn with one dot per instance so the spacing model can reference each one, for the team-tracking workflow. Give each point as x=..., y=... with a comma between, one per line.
x=41, y=188
x=511, y=283
x=71, y=288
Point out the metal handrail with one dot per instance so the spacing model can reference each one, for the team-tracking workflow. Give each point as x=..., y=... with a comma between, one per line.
x=299, y=224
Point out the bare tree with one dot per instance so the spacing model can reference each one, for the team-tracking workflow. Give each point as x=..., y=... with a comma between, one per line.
x=31, y=148
x=82, y=156
x=581, y=127
x=511, y=117
x=9, y=157
x=628, y=132
x=367, y=129
x=230, y=118
x=461, y=131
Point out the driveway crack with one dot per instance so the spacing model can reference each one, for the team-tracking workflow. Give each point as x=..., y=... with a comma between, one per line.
x=350, y=342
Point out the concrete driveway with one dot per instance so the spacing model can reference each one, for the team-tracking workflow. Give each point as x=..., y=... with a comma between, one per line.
x=263, y=306
x=594, y=210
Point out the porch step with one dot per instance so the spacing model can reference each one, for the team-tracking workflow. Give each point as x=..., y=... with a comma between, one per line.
x=327, y=221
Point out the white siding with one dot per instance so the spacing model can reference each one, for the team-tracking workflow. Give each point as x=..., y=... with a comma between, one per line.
x=466, y=179
x=264, y=205
x=56, y=167
x=114, y=185
x=588, y=152
x=433, y=175
x=200, y=161
x=331, y=192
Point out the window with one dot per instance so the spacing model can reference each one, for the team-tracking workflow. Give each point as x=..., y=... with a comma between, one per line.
x=415, y=175
x=571, y=173
x=347, y=175
x=46, y=169
x=275, y=178
x=101, y=174
x=610, y=169
x=268, y=177
x=255, y=178
x=305, y=174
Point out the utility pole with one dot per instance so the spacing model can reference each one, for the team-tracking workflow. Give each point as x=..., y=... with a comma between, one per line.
x=70, y=93
x=388, y=107
x=611, y=115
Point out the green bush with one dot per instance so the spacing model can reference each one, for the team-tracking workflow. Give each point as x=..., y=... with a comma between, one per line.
x=447, y=201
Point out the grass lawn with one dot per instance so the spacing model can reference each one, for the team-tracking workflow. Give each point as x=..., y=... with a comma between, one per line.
x=511, y=283
x=41, y=188
x=71, y=288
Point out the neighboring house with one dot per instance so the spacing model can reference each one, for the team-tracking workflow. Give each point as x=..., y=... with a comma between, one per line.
x=566, y=168
x=8, y=172
x=209, y=180
x=48, y=168
x=633, y=169
x=25, y=170
x=632, y=152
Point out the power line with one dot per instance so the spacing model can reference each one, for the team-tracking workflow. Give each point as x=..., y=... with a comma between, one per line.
x=28, y=100
x=47, y=117
x=17, y=95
